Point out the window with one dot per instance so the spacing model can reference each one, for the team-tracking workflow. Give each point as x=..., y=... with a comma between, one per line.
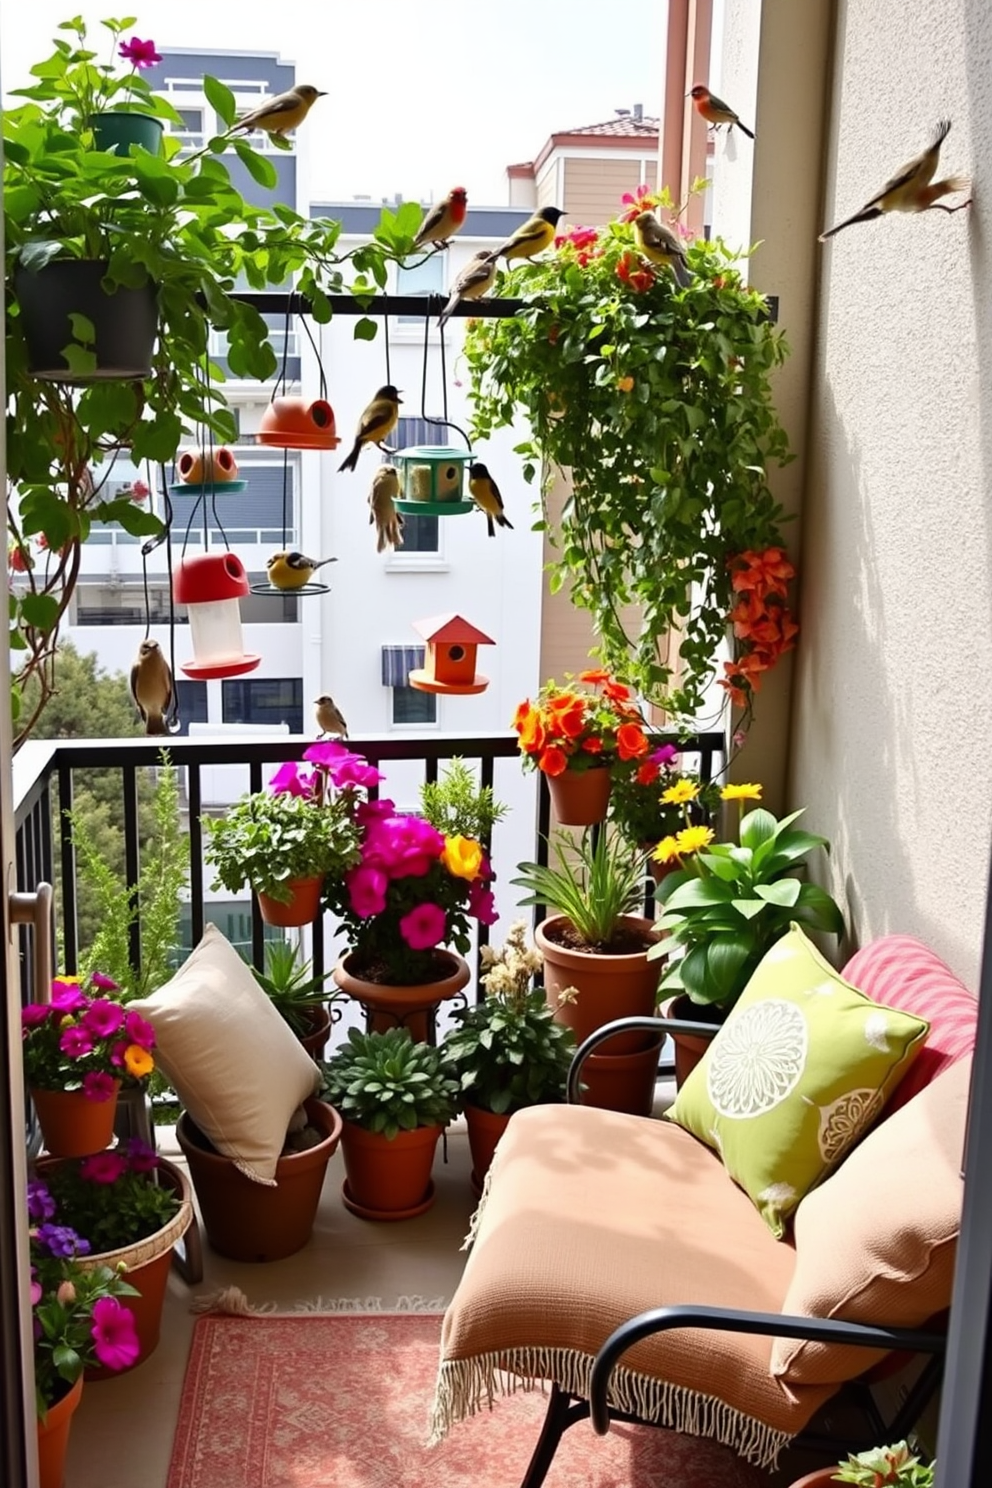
x=420, y=534
x=192, y=699
x=266, y=700
x=411, y=706
x=426, y=278
x=258, y=515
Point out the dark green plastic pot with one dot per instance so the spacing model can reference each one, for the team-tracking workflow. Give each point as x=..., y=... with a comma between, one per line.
x=118, y=132
x=125, y=322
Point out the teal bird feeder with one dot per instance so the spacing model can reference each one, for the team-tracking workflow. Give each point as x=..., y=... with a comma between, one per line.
x=432, y=480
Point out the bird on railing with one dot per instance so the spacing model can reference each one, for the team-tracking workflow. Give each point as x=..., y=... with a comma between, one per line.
x=152, y=687
x=443, y=220
x=471, y=284
x=714, y=110
x=329, y=718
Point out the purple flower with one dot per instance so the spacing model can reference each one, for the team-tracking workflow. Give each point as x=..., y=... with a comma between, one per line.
x=33, y=1014
x=97, y=1086
x=76, y=1041
x=139, y=53
x=424, y=927
x=290, y=780
x=367, y=890
x=141, y=1158
x=103, y=983
x=115, y=1341
x=664, y=755
x=41, y=1205
x=103, y=1167
x=139, y=1031
x=482, y=903
x=103, y=1018
x=68, y=997
x=61, y=1241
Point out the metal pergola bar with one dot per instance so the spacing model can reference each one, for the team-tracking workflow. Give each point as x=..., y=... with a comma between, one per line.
x=268, y=302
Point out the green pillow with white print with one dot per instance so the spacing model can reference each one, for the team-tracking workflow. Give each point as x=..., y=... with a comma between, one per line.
x=797, y=1074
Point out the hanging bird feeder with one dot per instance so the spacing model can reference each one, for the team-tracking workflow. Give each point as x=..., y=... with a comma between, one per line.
x=197, y=467
x=432, y=480
x=449, y=663
x=212, y=586
x=293, y=423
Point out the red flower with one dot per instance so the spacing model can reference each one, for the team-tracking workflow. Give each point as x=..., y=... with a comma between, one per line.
x=636, y=201
x=595, y=677
x=139, y=53
x=647, y=772
x=553, y=761
x=593, y=745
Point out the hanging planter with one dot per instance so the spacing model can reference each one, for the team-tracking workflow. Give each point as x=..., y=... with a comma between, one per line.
x=212, y=586
x=580, y=797
x=116, y=133
x=302, y=908
x=198, y=467
x=124, y=323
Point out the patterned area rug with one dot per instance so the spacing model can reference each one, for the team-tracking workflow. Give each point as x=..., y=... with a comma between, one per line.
x=342, y=1401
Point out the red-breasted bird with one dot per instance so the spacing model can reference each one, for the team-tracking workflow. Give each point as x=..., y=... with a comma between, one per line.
x=714, y=110
x=485, y=493
x=382, y=508
x=532, y=236
x=471, y=284
x=660, y=245
x=910, y=189
x=293, y=570
x=329, y=718
x=151, y=687
x=281, y=114
x=377, y=420
x=444, y=219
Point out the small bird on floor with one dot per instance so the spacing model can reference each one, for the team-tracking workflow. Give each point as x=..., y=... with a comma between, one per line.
x=910, y=190
x=280, y=114
x=382, y=509
x=714, y=110
x=293, y=570
x=329, y=718
x=377, y=420
x=443, y=220
x=471, y=284
x=485, y=493
x=532, y=236
x=660, y=245
x=151, y=687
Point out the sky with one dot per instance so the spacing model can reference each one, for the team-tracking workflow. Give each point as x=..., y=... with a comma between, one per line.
x=421, y=96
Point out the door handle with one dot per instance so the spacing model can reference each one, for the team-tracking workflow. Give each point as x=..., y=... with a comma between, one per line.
x=36, y=910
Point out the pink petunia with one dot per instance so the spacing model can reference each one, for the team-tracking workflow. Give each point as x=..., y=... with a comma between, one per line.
x=424, y=927
x=103, y=983
x=115, y=1341
x=103, y=1018
x=117, y=1054
x=139, y=53
x=141, y=1158
x=33, y=1014
x=370, y=811
x=68, y=997
x=354, y=770
x=36, y=1291
x=482, y=903
x=98, y=1086
x=290, y=780
x=367, y=890
x=76, y=1041
x=103, y=1167
x=139, y=1031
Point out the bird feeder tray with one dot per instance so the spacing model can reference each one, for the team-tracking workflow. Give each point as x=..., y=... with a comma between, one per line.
x=418, y=678
x=208, y=488
x=432, y=480
x=304, y=589
x=293, y=423
x=435, y=508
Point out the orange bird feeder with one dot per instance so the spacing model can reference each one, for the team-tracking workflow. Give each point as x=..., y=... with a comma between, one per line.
x=211, y=586
x=449, y=665
x=293, y=423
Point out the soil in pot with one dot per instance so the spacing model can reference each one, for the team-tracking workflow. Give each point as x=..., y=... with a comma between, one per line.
x=249, y=1221
x=622, y=984
x=389, y=1178
x=690, y=1047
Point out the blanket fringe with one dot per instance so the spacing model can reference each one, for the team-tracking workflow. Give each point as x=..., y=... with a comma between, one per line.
x=232, y=1302
x=464, y=1386
x=476, y=1220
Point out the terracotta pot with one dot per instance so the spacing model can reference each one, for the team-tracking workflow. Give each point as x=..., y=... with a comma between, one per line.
x=608, y=986
x=53, y=1438
x=580, y=797
x=484, y=1131
x=403, y=1007
x=389, y=1179
x=302, y=909
x=250, y=1221
x=689, y=1047
x=623, y=1082
x=315, y=1042
x=822, y=1478
x=71, y=1124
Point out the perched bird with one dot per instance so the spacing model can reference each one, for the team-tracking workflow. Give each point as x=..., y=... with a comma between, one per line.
x=293, y=570
x=471, y=284
x=388, y=522
x=443, y=220
x=714, y=110
x=485, y=493
x=661, y=245
x=909, y=189
x=281, y=114
x=378, y=420
x=151, y=687
x=532, y=236
x=328, y=716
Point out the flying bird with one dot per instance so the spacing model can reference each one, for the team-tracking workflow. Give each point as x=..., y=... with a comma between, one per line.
x=382, y=510
x=378, y=420
x=660, y=245
x=532, y=236
x=910, y=190
x=471, y=284
x=714, y=110
x=293, y=570
x=151, y=687
x=443, y=220
x=329, y=717
x=280, y=114
x=485, y=493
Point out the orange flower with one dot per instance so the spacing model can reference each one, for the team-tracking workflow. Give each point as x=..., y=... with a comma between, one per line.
x=631, y=741
x=766, y=573
x=523, y=711
x=532, y=733
x=616, y=692
x=571, y=721
x=553, y=761
x=596, y=676
x=625, y=384
x=592, y=745
x=138, y=1061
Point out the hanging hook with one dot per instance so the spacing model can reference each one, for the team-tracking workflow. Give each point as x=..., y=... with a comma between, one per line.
x=445, y=422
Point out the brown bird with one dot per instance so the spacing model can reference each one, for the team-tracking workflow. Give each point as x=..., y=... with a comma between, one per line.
x=471, y=284
x=714, y=110
x=151, y=687
x=910, y=190
x=382, y=509
x=377, y=420
x=281, y=114
x=660, y=245
x=443, y=220
x=486, y=495
x=329, y=719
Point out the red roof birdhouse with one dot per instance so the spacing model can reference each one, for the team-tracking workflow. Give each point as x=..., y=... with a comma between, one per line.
x=449, y=665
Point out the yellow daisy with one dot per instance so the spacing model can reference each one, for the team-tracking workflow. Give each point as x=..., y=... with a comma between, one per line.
x=741, y=793
x=679, y=793
x=666, y=850
x=691, y=839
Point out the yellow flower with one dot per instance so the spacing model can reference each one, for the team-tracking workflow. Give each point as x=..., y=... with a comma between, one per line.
x=679, y=793
x=691, y=839
x=666, y=850
x=138, y=1061
x=741, y=793
x=462, y=857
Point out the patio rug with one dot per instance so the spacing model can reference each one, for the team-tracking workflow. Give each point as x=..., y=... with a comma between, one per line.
x=342, y=1401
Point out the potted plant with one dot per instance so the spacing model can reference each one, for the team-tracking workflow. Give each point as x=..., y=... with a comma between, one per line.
x=656, y=399
x=126, y=1209
x=573, y=736
x=879, y=1467
x=299, y=997
x=649, y=799
x=77, y=1049
x=396, y=1097
x=508, y=1051
x=595, y=949
x=456, y=806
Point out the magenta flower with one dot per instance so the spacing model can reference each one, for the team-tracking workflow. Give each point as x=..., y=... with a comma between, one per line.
x=103, y=1018
x=342, y=764
x=33, y=1014
x=424, y=927
x=402, y=845
x=117, y=1054
x=36, y=1292
x=75, y=1041
x=367, y=890
x=139, y=53
x=482, y=903
x=370, y=811
x=116, y=1342
x=289, y=779
x=664, y=755
x=103, y=983
x=103, y=1167
x=68, y=997
x=98, y=1086
x=139, y=1031
x=141, y=1158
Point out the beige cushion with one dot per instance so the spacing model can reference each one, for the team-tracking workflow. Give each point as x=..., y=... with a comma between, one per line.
x=237, y=1067
x=591, y=1218
x=877, y=1241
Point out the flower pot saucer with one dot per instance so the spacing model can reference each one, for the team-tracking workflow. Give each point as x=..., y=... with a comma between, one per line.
x=387, y=1214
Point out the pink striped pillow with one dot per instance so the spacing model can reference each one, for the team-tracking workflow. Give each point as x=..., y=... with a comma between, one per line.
x=903, y=973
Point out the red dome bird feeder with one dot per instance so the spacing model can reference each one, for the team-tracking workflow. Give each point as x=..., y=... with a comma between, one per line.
x=211, y=587
x=293, y=423
x=449, y=665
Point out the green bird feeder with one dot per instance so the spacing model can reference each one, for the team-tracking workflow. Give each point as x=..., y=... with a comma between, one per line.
x=432, y=480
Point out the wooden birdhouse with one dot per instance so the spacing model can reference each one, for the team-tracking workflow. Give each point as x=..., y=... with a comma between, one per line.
x=449, y=665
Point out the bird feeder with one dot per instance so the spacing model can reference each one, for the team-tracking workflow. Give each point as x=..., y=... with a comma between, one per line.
x=198, y=467
x=449, y=663
x=432, y=480
x=293, y=423
x=211, y=587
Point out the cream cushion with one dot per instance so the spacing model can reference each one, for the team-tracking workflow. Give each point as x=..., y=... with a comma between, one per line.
x=235, y=1063
x=877, y=1241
